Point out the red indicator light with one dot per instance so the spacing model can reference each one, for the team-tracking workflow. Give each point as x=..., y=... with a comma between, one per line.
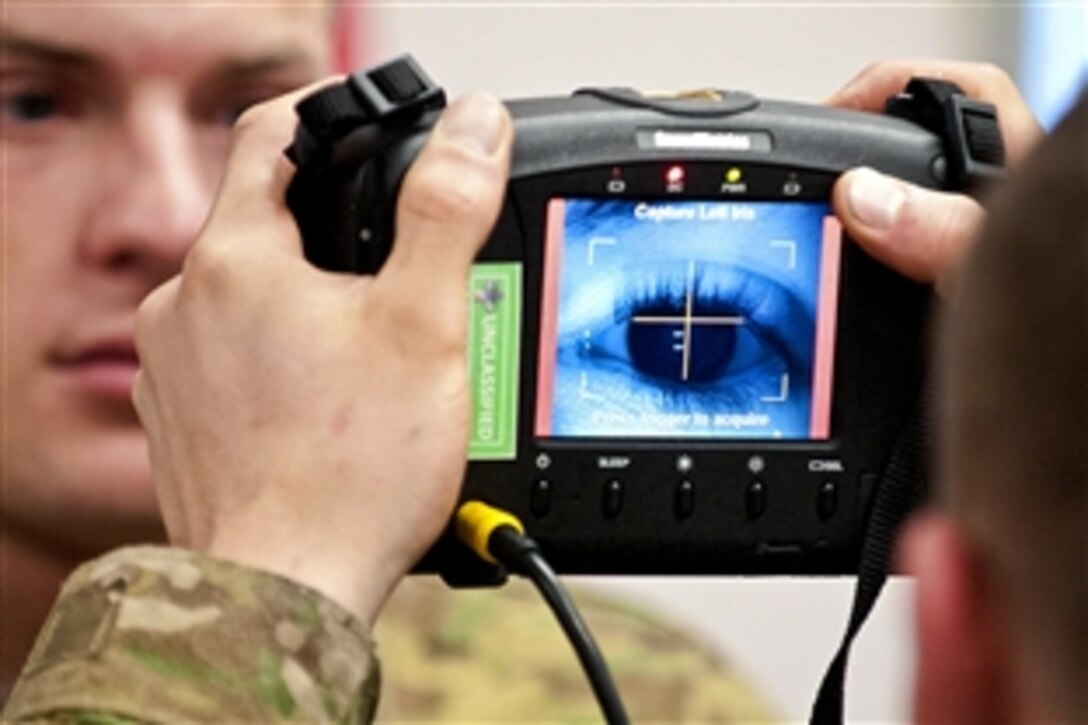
x=675, y=174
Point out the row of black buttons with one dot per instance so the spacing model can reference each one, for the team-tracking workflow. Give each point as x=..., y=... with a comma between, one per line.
x=755, y=499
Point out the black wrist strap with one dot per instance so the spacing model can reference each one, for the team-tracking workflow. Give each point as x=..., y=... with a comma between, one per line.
x=900, y=490
x=975, y=151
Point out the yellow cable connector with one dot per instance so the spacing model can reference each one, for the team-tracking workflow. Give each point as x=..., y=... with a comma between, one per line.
x=475, y=523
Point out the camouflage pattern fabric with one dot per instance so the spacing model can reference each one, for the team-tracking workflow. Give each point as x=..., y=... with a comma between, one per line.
x=500, y=656
x=167, y=635
x=157, y=634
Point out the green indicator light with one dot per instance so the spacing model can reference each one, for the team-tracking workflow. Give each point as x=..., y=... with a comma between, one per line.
x=733, y=175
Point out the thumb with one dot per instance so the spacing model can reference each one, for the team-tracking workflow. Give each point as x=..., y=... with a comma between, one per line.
x=450, y=198
x=921, y=233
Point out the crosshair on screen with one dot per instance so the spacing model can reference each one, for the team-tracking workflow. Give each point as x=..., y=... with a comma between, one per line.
x=687, y=319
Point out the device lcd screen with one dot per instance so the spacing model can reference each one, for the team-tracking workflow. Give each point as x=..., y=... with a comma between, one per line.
x=687, y=319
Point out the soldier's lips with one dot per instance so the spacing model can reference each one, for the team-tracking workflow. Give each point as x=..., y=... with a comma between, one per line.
x=106, y=370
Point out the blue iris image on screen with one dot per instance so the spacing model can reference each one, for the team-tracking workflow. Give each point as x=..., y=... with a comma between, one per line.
x=681, y=319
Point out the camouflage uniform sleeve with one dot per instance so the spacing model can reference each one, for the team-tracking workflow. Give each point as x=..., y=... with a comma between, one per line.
x=159, y=634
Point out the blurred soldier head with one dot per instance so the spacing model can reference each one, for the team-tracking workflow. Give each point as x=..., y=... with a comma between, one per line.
x=115, y=126
x=1001, y=570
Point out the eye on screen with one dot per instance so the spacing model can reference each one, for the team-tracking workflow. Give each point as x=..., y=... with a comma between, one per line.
x=687, y=319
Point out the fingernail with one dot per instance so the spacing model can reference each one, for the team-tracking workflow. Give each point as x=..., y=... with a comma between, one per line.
x=875, y=199
x=476, y=122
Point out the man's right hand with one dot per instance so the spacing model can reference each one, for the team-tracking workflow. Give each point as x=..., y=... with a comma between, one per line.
x=315, y=424
x=922, y=233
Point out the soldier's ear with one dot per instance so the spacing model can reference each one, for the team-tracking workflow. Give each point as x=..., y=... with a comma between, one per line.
x=964, y=670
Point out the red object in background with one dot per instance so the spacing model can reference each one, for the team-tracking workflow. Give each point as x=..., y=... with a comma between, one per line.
x=347, y=39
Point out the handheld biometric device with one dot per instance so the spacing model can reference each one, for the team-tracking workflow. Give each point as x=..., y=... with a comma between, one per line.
x=679, y=364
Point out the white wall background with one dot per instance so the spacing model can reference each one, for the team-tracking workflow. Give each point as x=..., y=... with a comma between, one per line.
x=782, y=631
x=801, y=50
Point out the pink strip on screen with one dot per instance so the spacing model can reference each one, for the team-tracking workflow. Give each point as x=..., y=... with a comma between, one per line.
x=822, y=372
x=553, y=256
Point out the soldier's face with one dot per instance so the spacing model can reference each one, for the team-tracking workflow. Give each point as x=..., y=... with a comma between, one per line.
x=114, y=126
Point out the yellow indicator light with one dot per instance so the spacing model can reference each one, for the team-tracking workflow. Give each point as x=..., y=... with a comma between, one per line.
x=733, y=175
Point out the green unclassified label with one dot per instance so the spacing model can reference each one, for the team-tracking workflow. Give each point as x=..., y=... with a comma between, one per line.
x=494, y=343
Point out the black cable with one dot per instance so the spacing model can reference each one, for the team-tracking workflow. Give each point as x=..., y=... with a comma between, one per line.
x=520, y=554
